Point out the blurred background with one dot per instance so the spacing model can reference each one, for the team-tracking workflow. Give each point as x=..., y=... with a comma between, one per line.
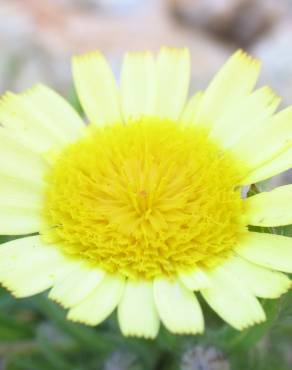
x=37, y=39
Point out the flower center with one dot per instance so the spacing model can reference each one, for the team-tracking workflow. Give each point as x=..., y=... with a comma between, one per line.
x=145, y=199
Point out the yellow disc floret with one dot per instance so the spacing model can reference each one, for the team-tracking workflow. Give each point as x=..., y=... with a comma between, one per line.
x=146, y=199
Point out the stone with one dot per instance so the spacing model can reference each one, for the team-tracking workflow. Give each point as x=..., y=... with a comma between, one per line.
x=241, y=21
x=275, y=52
x=216, y=15
x=121, y=361
x=203, y=358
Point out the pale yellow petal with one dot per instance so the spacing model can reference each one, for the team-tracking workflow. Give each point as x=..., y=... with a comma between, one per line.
x=28, y=267
x=178, y=307
x=190, y=112
x=20, y=121
x=195, y=280
x=19, y=220
x=19, y=162
x=96, y=88
x=244, y=117
x=29, y=119
x=21, y=204
x=262, y=282
x=100, y=303
x=272, y=208
x=55, y=112
x=18, y=192
x=267, y=250
x=77, y=285
x=265, y=142
x=231, y=300
x=231, y=84
x=173, y=68
x=281, y=163
x=137, y=312
x=138, y=85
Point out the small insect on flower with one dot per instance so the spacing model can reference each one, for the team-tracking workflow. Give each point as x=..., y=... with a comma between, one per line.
x=141, y=209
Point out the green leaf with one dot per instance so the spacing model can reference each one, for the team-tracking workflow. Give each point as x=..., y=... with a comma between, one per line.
x=253, y=190
x=74, y=101
x=13, y=329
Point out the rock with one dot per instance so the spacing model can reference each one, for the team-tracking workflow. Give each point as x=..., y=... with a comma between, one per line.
x=241, y=21
x=121, y=361
x=203, y=358
x=25, y=61
x=254, y=18
x=275, y=52
x=215, y=15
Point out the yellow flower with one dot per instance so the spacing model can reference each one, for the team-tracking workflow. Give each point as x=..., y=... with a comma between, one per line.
x=141, y=209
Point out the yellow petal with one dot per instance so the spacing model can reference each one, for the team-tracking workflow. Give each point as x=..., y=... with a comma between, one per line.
x=262, y=282
x=137, y=312
x=17, y=192
x=265, y=142
x=21, y=121
x=21, y=204
x=39, y=118
x=173, y=81
x=28, y=267
x=18, y=162
x=178, y=307
x=268, y=250
x=231, y=300
x=139, y=85
x=96, y=88
x=100, y=303
x=19, y=220
x=190, y=112
x=77, y=285
x=272, y=208
x=244, y=117
x=232, y=83
x=57, y=113
x=195, y=280
x=280, y=163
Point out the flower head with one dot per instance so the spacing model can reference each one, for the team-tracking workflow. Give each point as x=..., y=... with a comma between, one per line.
x=142, y=207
